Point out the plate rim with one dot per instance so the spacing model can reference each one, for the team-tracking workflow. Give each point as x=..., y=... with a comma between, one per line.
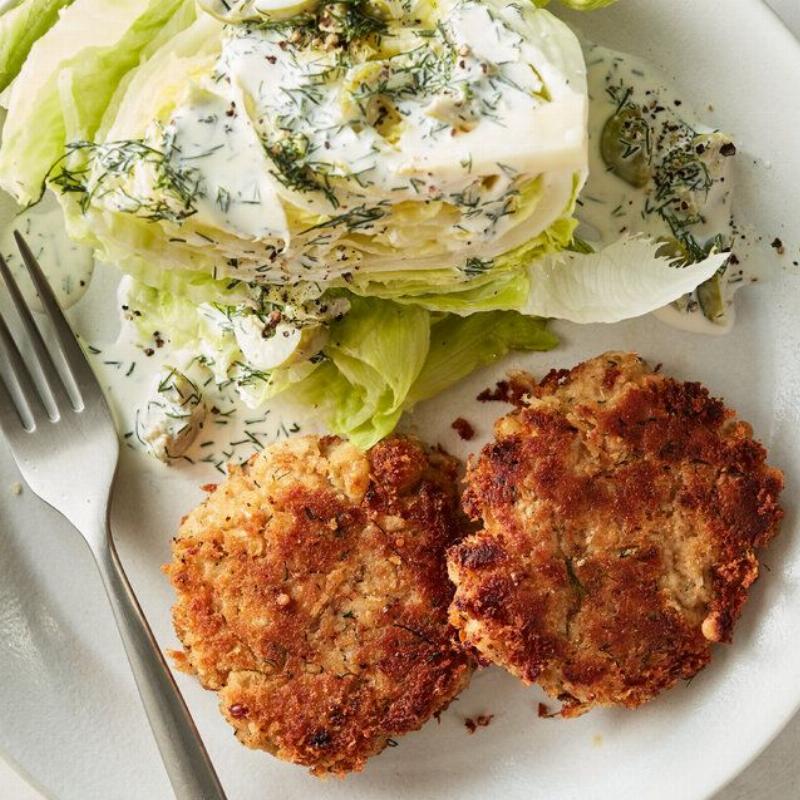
x=792, y=41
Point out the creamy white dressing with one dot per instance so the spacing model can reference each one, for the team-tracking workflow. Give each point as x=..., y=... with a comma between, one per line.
x=67, y=265
x=210, y=136
x=222, y=429
x=229, y=419
x=476, y=65
x=304, y=92
x=168, y=424
x=610, y=207
x=608, y=204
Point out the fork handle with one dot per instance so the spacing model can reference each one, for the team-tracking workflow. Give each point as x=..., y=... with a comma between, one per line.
x=187, y=763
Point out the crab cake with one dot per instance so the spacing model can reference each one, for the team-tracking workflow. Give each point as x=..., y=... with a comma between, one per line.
x=313, y=595
x=621, y=511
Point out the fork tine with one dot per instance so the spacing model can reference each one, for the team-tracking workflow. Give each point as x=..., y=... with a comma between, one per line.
x=50, y=390
x=10, y=415
x=19, y=397
x=80, y=373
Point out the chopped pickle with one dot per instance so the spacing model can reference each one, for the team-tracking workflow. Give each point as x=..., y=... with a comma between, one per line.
x=671, y=248
x=709, y=295
x=625, y=145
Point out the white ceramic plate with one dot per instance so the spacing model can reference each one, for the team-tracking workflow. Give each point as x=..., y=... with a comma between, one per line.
x=69, y=714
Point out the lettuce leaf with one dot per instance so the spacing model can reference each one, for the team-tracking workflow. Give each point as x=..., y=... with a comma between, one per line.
x=387, y=369
x=20, y=27
x=375, y=355
x=626, y=279
x=460, y=345
x=181, y=321
x=68, y=80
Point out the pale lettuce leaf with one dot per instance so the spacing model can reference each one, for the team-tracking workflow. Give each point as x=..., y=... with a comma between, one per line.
x=180, y=321
x=20, y=27
x=626, y=279
x=386, y=370
x=375, y=354
x=68, y=81
x=460, y=345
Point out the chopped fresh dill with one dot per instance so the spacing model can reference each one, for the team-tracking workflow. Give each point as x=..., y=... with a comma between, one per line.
x=223, y=199
x=290, y=156
x=348, y=21
x=474, y=266
x=359, y=218
x=96, y=170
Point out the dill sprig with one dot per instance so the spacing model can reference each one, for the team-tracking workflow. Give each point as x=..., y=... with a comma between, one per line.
x=350, y=20
x=474, y=266
x=682, y=171
x=104, y=164
x=294, y=169
x=178, y=387
x=346, y=21
x=359, y=218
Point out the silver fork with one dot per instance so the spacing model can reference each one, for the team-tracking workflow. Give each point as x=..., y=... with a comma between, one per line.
x=62, y=436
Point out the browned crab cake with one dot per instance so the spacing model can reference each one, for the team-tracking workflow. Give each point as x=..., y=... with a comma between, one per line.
x=621, y=515
x=313, y=594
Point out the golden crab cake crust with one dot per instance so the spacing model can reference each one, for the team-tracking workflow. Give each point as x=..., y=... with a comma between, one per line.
x=621, y=515
x=313, y=595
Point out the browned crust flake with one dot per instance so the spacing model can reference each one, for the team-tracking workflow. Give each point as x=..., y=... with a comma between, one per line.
x=463, y=428
x=622, y=511
x=312, y=595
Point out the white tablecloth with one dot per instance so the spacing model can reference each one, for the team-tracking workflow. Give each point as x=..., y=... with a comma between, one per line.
x=775, y=775
x=789, y=12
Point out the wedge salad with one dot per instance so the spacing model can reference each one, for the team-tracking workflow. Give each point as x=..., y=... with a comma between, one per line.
x=357, y=201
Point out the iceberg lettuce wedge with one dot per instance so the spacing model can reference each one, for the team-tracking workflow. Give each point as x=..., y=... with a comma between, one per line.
x=407, y=211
